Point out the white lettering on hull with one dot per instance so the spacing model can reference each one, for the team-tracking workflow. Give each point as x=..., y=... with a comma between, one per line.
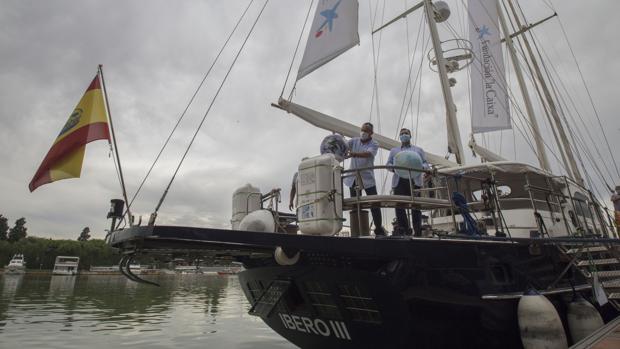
x=318, y=327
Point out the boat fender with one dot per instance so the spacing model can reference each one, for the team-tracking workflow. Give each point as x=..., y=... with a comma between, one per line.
x=260, y=221
x=539, y=323
x=583, y=318
x=283, y=258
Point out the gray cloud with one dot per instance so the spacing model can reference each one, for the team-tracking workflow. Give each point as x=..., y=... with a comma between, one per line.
x=154, y=55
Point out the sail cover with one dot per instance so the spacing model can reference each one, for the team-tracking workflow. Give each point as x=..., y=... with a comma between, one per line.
x=489, y=100
x=334, y=30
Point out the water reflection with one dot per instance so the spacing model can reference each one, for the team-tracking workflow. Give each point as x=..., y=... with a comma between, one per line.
x=190, y=311
x=62, y=284
x=10, y=284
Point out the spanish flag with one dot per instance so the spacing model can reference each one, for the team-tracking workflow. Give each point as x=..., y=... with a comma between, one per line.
x=87, y=123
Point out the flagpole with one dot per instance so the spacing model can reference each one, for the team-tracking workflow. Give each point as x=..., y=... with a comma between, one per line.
x=118, y=159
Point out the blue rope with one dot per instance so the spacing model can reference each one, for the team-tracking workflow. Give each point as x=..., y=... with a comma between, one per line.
x=471, y=228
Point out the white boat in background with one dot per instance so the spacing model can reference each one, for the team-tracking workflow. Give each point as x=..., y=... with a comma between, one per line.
x=17, y=265
x=66, y=265
x=187, y=269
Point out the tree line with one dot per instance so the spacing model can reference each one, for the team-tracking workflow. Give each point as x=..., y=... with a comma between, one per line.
x=41, y=253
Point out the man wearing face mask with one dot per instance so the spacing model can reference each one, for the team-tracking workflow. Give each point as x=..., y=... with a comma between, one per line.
x=401, y=186
x=362, y=151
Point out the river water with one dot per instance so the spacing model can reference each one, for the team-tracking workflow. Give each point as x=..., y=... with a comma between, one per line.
x=96, y=311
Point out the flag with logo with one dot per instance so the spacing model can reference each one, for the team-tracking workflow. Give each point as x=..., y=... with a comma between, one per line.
x=333, y=31
x=489, y=100
x=87, y=123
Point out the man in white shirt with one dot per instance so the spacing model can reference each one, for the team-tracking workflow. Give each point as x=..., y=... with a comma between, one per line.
x=362, y=151
x=401, y=186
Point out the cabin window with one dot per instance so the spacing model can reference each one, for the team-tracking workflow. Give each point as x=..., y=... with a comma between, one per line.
x=581, y=205
x=503, y=191
x=359, y=304
x=322, y=300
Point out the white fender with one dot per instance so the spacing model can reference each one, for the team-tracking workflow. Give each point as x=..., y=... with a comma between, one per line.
x=539, y=323
x=261, y=221
x=282, y=259
x=583, y=318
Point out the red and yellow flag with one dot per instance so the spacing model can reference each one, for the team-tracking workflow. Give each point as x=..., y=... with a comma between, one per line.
x=87, y=123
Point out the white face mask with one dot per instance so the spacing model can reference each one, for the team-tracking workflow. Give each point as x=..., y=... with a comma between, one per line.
x=364, y=136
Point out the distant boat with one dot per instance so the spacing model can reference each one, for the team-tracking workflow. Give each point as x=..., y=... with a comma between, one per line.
x=187, y=269
x=66, y=265
x=17, y=265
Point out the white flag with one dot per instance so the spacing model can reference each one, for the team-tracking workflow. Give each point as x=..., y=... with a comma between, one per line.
x=334, y=30
x=489, y=99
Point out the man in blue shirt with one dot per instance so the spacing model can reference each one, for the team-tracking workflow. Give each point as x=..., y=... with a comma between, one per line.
x=401, y=186
x=362, y=151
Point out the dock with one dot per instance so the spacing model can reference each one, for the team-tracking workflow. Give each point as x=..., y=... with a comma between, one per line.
x=606, y=337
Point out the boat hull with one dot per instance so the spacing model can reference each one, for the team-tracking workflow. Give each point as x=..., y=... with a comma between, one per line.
x=396, y=292
x=433, y=299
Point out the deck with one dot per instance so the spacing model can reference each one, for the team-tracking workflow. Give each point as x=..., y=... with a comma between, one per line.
x=606, y=337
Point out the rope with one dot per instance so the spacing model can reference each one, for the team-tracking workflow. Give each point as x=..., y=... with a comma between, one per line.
x=460, y=202
x=208, y=110
x=189, y=104
x=589, y=96
x=295, y=53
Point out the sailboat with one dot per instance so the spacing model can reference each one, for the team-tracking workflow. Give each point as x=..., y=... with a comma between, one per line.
x=498, y=234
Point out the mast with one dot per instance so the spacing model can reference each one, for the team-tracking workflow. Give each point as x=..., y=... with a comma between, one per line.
x=454, y=137
x=576, y=174
x=540, y=147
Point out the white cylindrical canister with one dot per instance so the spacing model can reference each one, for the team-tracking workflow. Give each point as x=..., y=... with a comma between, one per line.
x=319, y=196
x=245, y=200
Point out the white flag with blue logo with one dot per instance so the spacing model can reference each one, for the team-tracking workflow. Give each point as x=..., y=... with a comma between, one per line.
x=489, y=99
x=333, y=31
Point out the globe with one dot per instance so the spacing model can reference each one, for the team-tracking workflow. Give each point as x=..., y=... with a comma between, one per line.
x=408, y=159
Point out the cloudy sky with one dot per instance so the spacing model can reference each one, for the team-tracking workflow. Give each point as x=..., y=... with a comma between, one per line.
x=155, y=54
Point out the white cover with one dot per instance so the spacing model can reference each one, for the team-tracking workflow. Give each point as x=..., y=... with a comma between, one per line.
x=333, y=31
x=245, y=200
x=319, y=208
x=489, y=100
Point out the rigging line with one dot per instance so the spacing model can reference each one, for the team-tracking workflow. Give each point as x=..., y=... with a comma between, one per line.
x=189, y=104
x=295, y=54
x=409, y=62
x=585, y=85
x=541, y=101
x=403, y=112
x=418, y=80
x=375, y=95
x=210, y=106
x=375, y=59
x=560, y=98
x=572, y=103
x=417, y=120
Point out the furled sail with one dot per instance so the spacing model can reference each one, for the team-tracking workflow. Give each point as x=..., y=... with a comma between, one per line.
x=335, y=125
x=334, y=31
x=489, y=98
